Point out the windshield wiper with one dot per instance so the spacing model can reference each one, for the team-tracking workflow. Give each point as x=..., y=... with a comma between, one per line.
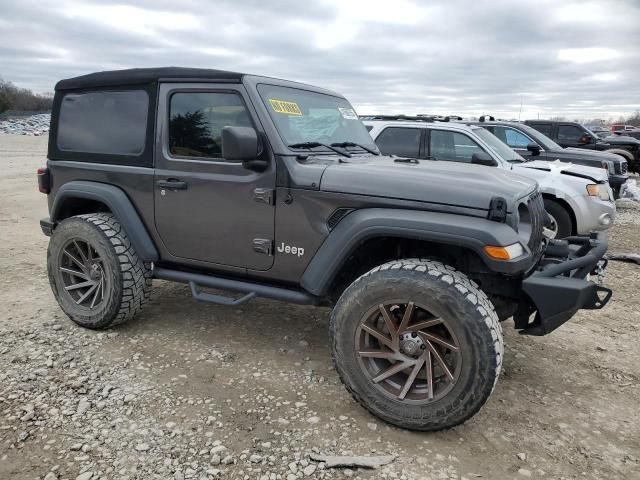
x=309, y=145
x=353, y=144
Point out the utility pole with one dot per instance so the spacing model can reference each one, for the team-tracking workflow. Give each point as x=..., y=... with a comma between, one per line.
x=520, y=112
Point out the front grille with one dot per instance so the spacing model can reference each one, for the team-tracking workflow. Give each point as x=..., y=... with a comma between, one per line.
x=537, y=213
x=624, y=168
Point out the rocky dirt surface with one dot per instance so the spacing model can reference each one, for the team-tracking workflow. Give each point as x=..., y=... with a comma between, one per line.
x=196, y=391
x=35, y=125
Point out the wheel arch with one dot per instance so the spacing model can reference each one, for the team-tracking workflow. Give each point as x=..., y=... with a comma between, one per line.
x=363, y=227
x=568, y=208
x=627, y=155
x=78, y=197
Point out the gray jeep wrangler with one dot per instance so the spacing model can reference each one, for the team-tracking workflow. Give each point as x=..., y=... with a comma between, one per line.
x=270, y=188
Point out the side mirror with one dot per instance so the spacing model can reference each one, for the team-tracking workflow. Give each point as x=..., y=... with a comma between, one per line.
x=534, y=148
x=241, y=143
x=483, y=158
x=584, y=139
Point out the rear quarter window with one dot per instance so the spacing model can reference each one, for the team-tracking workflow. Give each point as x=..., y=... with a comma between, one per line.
x=104, y=122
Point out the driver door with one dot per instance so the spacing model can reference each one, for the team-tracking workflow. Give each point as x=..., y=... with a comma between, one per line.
x=207, y=209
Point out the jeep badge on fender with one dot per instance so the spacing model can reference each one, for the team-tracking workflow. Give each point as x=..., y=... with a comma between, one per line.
x=299, y=251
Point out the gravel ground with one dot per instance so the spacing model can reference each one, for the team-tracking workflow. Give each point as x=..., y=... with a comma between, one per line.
x=36, y=125
x=190, y=390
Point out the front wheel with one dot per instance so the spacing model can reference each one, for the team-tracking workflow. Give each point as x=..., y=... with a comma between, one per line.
x=417, y=344
x=561, y=223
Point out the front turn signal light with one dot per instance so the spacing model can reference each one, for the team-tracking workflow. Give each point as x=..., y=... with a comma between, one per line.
x=504, y=253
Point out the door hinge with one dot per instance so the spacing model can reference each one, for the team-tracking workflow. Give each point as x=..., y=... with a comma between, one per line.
x=263, y=245
x=265, y=195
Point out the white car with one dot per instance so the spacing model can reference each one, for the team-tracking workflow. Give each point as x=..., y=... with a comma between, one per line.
x=578, y=198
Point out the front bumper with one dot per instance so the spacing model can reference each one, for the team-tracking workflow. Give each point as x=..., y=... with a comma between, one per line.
x=616, y=181
x=560, y=288
x=594, y=214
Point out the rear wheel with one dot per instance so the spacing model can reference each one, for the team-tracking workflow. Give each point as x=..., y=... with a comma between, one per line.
x=562, y=225
x=417, y=344
x=94, y=271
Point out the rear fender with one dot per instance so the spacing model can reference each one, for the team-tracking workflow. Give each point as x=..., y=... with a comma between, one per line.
x=117, y=202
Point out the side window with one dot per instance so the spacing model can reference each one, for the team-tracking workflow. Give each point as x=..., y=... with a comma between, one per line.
x=196, y=120
x=108, y=122
x=404, y=142
x=544, y=128
x=513, y=138
x=569, y=133
x=452, y=146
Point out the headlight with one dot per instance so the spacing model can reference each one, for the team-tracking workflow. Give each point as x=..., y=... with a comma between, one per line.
x=598, y=190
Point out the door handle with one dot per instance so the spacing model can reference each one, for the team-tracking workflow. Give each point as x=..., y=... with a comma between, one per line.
x=172, y=184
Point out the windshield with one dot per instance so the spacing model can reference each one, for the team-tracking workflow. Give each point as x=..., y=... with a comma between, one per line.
x=302, y=116
x=499, y=148
x=540, y=138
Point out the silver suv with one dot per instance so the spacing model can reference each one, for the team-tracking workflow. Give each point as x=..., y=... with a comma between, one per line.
x=577, y=197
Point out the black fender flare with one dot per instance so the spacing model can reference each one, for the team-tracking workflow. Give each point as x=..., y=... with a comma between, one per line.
x=445, y=228
x=119, y=204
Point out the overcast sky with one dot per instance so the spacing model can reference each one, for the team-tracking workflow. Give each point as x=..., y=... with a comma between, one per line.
x=576, y=59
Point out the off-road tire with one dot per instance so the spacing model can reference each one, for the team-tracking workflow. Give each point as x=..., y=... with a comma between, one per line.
x=129, y=277
x=468, y=312
x=561, y=217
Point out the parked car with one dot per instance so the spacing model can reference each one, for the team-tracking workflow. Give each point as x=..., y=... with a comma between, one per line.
x=533, y=145
x=623, y=128
x=574, y=135
x=275, y=189
x=577, y=197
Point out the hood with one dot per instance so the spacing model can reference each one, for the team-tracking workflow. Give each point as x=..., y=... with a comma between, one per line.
x=582, y=153
x=446, y=183
x=621, y=140
x=561, y=168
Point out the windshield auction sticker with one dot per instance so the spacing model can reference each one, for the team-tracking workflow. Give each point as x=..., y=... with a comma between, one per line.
x=288, y=108
x=348, y=113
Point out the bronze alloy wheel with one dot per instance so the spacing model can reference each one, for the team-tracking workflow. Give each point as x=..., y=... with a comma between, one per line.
x=407, y=353
x=82, y=273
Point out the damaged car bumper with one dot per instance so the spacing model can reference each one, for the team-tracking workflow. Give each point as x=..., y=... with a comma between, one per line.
x=562, y=286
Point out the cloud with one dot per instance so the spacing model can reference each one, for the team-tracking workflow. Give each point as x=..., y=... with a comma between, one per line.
x=579, y=59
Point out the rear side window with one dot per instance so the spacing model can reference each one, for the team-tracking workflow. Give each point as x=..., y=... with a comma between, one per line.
x=544, y=128
x=109, y=122
x=196, y=120
x=404, y=142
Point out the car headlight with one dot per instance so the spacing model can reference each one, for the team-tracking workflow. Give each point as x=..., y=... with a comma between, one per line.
x=598, y=190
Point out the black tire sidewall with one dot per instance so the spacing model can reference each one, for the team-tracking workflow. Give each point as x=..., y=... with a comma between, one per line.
x=479, y=363
x=103, y=315
x=561, y=216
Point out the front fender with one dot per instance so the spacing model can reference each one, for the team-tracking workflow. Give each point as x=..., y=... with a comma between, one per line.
x=444, y=228
x=117, y=202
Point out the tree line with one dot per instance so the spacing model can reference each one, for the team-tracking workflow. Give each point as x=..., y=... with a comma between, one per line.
x=22, y=99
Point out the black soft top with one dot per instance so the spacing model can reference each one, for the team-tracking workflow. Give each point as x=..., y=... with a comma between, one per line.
x=142, y=76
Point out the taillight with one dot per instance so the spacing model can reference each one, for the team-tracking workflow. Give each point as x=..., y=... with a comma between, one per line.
x=44, y=180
